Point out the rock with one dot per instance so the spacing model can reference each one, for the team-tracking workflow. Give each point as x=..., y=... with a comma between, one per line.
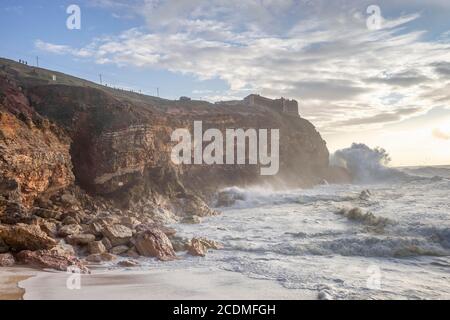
x=69, y=230
x=47, y=214
x=101, y=257
x=69, y=199
x=80, y=239
x=365, y=195
x=95, y=228
x=14, y=213
x=154, y=243
x=76, y=215
x=132, y=253
x=117, y=234
x=3, y=247
x=324, y=295
x=7, y=260
x=25, y=237
x=192, y=220
x=54, y=259
x=129, y=222
x=119, y=250
x=96, y=247
x=70, y=220
x=48, y=227
x=64, y=249
x=10, y=189
x=107, y=243
x=199, y=246
x=170, y=232
x=128, y=263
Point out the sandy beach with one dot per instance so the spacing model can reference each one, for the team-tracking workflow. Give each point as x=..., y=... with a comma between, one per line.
x=9, y=282
x=182, y=284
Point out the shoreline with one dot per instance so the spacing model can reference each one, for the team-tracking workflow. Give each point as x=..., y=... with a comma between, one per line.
x=10, y=279
x=155, y=284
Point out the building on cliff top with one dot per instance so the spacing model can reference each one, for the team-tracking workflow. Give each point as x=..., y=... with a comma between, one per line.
x=282, y=105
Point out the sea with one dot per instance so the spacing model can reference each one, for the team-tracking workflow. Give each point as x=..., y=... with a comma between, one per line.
x=386, y=236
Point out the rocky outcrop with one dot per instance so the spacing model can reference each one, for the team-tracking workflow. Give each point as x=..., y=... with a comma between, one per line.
x=23, y=237
x=154, y=243
x=34, y=155
x=7, y=260
x=117, y=234
x=91, y=166
x=200, y=246
x=53, y=259
x=120, y=143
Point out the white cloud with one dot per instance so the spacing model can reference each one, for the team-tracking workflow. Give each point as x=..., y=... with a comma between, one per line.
x=340, y=71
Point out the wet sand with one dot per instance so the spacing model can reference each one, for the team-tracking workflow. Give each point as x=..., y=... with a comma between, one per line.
x=157, y=284
x=9, y=282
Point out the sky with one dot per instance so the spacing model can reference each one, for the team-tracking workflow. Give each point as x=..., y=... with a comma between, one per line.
x=359, y=76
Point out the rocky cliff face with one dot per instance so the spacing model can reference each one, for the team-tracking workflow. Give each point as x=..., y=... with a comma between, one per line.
x=34, y=154
x=80, y=149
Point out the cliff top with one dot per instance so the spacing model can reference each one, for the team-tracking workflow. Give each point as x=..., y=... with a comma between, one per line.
x=31, y=76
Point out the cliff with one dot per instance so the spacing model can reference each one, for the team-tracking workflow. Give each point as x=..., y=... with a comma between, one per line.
x=112, y=148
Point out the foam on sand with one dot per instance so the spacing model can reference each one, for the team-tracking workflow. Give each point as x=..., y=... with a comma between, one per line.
x=171, y=284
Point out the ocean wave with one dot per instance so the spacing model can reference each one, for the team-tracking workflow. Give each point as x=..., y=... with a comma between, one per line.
x=367, y=218
x=368, y=165
x=354, y=246
x=258, y=196
x=397, y=247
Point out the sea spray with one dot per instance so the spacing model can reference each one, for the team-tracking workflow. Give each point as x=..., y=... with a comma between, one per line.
x=367, y=165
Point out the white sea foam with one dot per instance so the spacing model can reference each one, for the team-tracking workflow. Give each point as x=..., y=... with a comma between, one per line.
x=295, y=237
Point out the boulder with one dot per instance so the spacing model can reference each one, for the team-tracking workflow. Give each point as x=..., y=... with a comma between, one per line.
x=69, y=199
x=154, y=243
x=7, y=260
x=132, y=253
x=119, y=250
x=70, y=220
x=118, y=234
x=25, y=237
x=107, y=243
x=170, y=232
x=48, y=227
x=101, y=257
x=80, y=239
x=199, y=246
x=96, y=247
x=69, y=230
x=129, y=222
x=128, y=263
x=53, y=259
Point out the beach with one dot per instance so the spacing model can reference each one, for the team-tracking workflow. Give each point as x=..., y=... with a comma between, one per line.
x=154, y=284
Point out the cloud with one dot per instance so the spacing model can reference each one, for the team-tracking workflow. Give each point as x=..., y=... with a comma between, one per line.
x=317, y=52
x=438, y=134
x=62, y=49
x=379, y=118
x=402, y=79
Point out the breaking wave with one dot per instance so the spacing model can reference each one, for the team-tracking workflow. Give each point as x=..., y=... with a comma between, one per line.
x=258, y=196
x=367, y=165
